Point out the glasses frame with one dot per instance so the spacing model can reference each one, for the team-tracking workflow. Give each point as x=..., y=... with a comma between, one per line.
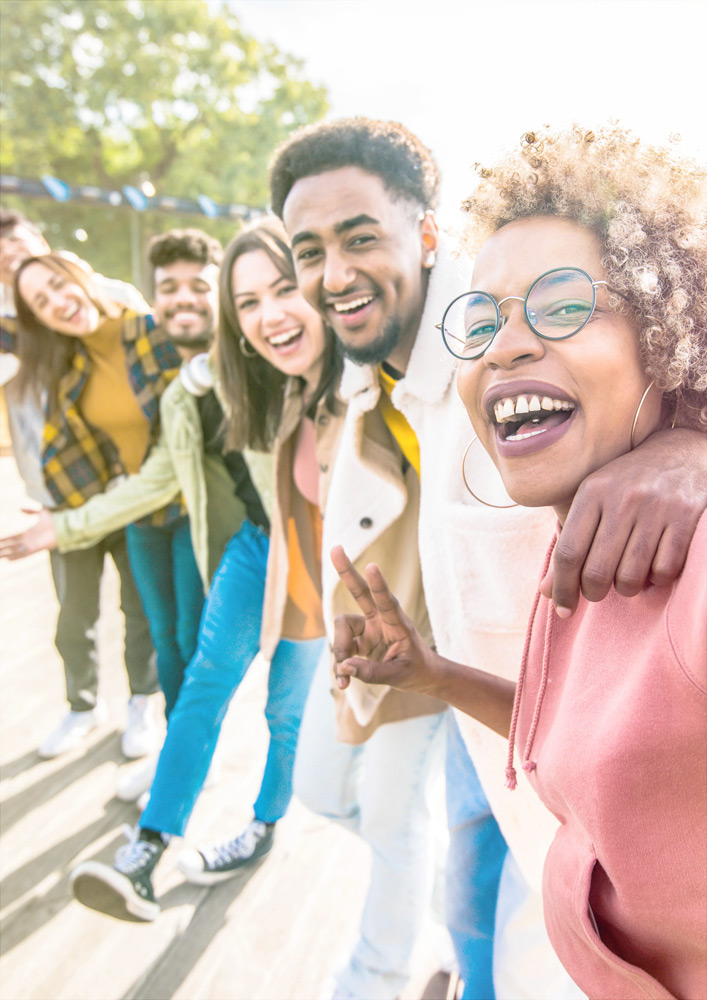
x=501, y=320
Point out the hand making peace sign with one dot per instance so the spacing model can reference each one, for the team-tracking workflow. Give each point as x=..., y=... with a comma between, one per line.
x=380, y=646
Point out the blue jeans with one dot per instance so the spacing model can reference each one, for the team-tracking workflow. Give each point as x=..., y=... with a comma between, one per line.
x=172, y=595
x=477, y=851
x=228, y=642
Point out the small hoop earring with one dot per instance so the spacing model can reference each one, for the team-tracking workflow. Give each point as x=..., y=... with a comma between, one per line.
x=497, y=506
x=246, y=350
x=638, y=413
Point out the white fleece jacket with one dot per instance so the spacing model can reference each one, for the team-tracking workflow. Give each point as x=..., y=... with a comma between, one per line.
x=480, y=566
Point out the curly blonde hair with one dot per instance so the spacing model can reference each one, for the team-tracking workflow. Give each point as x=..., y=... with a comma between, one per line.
x=648, y=207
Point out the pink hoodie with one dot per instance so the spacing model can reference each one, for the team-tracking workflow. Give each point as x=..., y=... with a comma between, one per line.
x=612, y=727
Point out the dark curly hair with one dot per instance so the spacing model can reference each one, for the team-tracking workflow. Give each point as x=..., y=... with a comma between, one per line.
x=184, y=244
x=386, y=149
x=648, y=207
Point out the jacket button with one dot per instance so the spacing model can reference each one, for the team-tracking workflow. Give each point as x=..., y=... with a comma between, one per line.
x=323, y=467
x=323, y=419
x=366, y=522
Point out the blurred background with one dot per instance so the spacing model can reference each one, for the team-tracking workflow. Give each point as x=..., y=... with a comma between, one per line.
x=123, y=118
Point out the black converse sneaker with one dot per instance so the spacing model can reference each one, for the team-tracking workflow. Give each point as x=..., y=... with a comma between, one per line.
x=219, y=862
x=125, y=890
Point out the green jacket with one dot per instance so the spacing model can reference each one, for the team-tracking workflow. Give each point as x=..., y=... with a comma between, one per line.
x=176, y=463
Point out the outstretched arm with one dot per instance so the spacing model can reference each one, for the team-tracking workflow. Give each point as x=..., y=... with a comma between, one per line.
x=35, y=539
x=382, y=646
x=143, y=493
x=632, y=521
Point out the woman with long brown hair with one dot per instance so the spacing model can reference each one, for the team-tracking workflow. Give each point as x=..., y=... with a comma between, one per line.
x=101, y=369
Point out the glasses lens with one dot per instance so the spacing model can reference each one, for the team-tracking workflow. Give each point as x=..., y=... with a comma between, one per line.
x=469, y=324
x=560, y=303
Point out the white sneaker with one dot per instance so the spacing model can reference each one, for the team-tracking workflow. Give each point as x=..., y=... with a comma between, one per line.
x=224, y=860
x=140, y=736
x=71, y=732
x=136, y=781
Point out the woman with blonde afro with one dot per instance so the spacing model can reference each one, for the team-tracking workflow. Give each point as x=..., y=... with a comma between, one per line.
x=585, y=331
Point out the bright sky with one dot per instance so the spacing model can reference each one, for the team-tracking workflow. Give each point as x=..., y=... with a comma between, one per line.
x=470, y=76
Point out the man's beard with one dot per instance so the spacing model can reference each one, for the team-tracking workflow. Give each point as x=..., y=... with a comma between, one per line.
x=191, y=340
x=377, y=350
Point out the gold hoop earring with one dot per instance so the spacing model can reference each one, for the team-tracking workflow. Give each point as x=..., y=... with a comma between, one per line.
x=246, y=350
x=497, y=506
x=638, y=413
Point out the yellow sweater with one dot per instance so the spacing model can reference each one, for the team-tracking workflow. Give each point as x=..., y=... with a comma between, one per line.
x=108, y=401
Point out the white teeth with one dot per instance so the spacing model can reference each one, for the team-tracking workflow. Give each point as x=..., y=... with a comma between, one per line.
x=527, y=434
x=344, y=307
x=284, y=338
x=509, y=408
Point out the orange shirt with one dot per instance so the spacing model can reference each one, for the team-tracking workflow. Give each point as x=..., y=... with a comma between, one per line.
x=303, y=617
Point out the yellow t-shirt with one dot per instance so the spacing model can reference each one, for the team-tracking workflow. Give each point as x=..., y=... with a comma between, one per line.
x=107, y=401
x=396, y=422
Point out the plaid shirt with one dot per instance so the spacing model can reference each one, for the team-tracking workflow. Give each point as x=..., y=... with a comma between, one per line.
x=79, y=460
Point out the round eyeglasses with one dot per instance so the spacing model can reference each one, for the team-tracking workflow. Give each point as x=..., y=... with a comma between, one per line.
x=557, y=305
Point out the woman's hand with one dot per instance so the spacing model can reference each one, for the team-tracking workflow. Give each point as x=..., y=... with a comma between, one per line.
x=380, y=646
x=40, y=536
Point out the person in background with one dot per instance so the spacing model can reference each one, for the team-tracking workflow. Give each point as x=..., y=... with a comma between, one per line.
x=296, y=368
x=172, y=581
x=585, y=333
x=185, y=269
x=356, y=198
x=98, y=369
x=19, y=239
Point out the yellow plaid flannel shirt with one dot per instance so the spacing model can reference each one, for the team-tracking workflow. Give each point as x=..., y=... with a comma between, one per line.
x=79, y=460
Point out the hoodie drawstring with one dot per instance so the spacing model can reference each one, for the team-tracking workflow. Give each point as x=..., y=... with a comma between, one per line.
x=528, y=765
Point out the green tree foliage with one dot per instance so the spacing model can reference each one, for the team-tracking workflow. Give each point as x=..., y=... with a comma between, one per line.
x=115, y=92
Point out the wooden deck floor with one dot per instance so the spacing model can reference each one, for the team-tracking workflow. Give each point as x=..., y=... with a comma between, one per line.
x=275, y=933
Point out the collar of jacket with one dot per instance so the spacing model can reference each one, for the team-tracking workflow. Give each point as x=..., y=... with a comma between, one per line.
x=293, y=409
x=431, y=365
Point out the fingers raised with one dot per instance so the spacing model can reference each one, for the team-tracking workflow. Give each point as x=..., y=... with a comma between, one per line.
x=353, y=581
x=387, y=605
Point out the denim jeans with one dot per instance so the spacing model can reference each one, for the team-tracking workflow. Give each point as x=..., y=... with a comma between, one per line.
x=477, y=852
x=378, y=790
x=525, y=964
x=228, y=642
x=77, y=580
x=172, y=595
